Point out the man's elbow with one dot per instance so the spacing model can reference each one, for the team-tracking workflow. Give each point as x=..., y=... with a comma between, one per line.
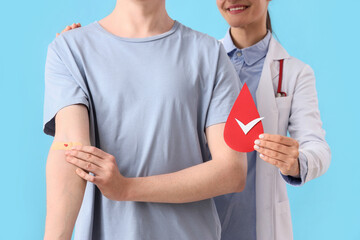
x=240, y=186
x=237, y=173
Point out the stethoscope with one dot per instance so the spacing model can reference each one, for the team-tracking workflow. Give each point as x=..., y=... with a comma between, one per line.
x=279, y=92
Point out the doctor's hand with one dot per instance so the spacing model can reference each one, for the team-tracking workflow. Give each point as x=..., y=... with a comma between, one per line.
x=280, y=151
x=107, y=175
x=73, y=26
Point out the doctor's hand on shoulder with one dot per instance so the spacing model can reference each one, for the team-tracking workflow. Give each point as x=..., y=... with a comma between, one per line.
x=73, y=26
x=280, y=151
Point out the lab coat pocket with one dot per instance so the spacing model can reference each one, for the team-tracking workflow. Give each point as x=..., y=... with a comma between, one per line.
x=284, y=106
x=283, y=226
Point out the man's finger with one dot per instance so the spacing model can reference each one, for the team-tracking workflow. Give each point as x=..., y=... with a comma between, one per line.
x=85, y=157
x=89, y=167
x=85, y=175
x=92, y=150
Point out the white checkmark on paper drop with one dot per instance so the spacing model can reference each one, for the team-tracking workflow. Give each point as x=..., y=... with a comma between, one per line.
x=246, y=128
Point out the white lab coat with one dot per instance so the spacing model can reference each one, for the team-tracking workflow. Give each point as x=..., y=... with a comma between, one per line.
x=298, y=114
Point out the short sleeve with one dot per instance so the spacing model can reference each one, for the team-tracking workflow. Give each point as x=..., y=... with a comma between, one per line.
x=61, y=90
x=226, y=88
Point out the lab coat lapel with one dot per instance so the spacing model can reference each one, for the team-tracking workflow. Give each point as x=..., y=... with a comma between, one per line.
x=265, y=94
x=276, y=52
x=265, y=172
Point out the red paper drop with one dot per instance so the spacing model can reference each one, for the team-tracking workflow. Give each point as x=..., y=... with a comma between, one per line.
x=66, y=145
x=244, y=110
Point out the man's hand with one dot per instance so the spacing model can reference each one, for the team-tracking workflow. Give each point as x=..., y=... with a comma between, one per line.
x=73, y=26
x=107, y=175
x=280, y=151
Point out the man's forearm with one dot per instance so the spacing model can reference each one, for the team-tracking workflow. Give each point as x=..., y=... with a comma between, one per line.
x=196, y=183
x=65, y=191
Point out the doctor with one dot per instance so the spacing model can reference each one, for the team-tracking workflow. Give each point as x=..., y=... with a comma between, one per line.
x=284, y=90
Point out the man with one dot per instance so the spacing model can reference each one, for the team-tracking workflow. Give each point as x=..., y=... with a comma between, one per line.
x=162, y=93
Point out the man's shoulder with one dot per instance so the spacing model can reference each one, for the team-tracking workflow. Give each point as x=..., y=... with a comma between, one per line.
x=202, y=40
x=74, y=37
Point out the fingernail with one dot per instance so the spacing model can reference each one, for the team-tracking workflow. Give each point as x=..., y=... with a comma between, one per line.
x=257, y=142
x=261, y=155
x=256, y=147
x=261, y=136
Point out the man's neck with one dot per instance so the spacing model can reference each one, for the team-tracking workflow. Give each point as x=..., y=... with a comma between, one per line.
x=138, y=19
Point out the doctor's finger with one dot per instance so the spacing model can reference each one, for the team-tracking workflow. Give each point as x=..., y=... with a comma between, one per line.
x=67, y=28
x=277, y=139
x=90, y=167
x=272, y=161
x=278, y=147
x=271, y=153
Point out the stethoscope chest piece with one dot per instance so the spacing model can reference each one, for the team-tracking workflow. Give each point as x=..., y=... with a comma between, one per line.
x=280, y=94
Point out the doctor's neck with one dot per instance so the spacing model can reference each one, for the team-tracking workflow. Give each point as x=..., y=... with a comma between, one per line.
x=138, y=19
x=246, y=36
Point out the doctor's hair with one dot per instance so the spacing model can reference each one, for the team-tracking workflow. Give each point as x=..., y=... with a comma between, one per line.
x=268, y=22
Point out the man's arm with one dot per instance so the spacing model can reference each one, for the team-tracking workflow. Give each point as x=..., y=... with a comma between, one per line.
x=225, y=173
x=64, y=188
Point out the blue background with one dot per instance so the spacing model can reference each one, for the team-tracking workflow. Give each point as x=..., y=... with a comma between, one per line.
x=324, y=34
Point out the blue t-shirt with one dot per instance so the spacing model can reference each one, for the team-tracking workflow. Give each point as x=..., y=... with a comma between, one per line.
x=153, y=97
